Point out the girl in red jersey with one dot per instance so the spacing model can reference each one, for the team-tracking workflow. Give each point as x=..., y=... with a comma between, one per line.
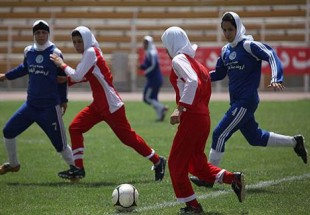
x=106, y=106
x=192, y=84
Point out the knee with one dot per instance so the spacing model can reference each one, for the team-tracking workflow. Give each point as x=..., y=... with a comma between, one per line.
x=147, y=100
x=172, y=165
x=59, y=148
x=7, y=133
x=216, y=133
x=254, y=141
x=73, y=127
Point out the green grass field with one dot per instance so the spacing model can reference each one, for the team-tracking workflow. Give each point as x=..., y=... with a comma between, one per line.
x=277, y=180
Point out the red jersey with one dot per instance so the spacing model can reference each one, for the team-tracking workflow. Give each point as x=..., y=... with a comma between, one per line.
x=192, y=84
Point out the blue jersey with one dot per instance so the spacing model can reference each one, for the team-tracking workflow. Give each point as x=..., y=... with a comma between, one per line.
x=242, y=64
x=43, y=89
x=151, y=69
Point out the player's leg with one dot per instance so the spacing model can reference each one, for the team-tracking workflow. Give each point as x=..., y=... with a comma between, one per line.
x=18, y=123
x=184, y=149
x=259, y=137
x=51, y=122
x=151, y=97
x=122, y=129
x=82, y=123
x=230, y=123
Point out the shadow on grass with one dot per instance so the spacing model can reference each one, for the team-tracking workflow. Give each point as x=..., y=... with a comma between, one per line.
x=258, y=190
x=76, y=184
x=212, y=213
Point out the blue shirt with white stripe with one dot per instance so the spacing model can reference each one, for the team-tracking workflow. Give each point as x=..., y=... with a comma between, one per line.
x=242, y=64
x=43, y=89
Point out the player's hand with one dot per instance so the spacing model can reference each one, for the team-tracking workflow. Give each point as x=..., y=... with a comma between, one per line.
x=2, y=77
x=175, y=117
x=276, y=86
x=57, y=60
x=61, y=79
x=63, y=107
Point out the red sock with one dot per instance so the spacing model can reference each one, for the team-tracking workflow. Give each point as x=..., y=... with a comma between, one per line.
x=79, y=163
x=228, y=177
x=194, y=203
x=155, y=159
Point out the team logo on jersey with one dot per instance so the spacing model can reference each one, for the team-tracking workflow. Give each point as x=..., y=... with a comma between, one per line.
x=39, y=59
x=232, y=55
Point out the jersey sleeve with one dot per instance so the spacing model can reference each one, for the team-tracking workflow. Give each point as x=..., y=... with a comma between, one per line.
x=19, y=71
x=188, y=79
x=220, y=71
x=88, y=60
x=266, y=53
x=152, y=59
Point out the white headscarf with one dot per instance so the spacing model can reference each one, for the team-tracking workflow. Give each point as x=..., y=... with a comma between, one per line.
x=48, y=43
x=88, y=37
x=176, y=42
x=240, y=34
x=151, y=48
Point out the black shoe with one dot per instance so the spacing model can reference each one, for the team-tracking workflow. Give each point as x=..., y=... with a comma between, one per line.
x=238, y=185
x=200, y=183
x=72, y=173
x=192, y=210
x=6, y=167
x=160, y=169
x=300, y=149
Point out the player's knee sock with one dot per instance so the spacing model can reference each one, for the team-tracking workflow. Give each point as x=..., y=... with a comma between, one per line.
x=280, y=140
x=154, y=158
x=219, y=176
x=215, y=157
x=67, y=155
x=194, y=203
x=10, y=145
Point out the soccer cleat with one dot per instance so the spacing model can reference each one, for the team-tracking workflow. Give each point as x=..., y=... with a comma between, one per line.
x=238, y=185
x=192, y=210
x=163, y=113
x=300, y=149
x=200, y=183
x=160, y=169
x=6, y=167
x=73, y=174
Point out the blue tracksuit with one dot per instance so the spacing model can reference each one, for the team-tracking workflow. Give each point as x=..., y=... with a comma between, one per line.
x=153, y=76
x=242, y=64
x=44, y=95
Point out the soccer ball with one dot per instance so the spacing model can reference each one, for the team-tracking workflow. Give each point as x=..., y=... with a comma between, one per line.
x=125, y=198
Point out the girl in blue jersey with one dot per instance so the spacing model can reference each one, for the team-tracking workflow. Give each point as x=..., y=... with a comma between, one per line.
x=46, y=98
x=154, y=79
x=241, y=61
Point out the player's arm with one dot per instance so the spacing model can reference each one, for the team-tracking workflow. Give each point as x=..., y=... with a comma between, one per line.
x=15, y=73
x=266, y=53
x=2, y=77
x=62, y=91
x=152, y=65
x=19, y=71
x=78, y=74
x=220, y=71
x=61, y=84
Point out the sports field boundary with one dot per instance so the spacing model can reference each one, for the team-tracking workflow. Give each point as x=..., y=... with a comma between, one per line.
x=163, y=96
x=259, y=185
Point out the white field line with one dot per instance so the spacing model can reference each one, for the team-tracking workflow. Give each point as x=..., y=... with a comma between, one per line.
x=262, y=184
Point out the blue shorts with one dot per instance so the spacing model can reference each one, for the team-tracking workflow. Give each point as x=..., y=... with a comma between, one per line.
x=49, y=119
x=238, y=117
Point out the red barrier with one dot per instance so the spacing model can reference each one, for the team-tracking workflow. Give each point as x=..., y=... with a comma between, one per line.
x=295, y=60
